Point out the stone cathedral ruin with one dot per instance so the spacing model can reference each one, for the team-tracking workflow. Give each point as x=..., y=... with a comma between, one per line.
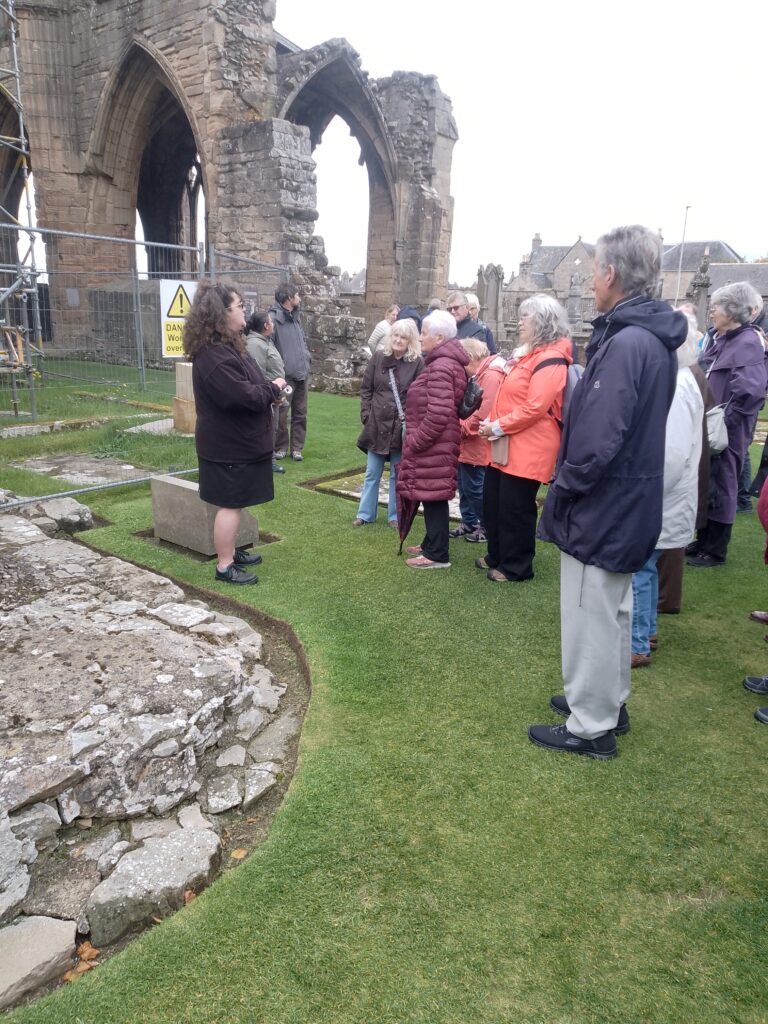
x=137, y=105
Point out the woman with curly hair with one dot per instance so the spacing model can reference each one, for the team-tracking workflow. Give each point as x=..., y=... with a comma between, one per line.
x=233, y=432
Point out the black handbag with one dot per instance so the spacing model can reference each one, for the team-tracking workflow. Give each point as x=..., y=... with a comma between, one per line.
x=470, y=402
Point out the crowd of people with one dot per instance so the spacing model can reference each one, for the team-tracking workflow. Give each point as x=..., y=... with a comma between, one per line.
x=637, y=486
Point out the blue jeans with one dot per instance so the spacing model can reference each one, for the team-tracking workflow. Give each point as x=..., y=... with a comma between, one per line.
x=645, y=598
x=369, y=499
x=471, y=479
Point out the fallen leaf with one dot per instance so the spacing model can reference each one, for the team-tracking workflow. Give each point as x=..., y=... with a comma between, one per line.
x=251, y=821
x=70, y=976
x=189, y=895
x=157, y=920
x=239, y=854
x=82, y=967
x=86, y=951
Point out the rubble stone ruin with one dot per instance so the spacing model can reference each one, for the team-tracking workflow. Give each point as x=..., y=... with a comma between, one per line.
x=137, y=105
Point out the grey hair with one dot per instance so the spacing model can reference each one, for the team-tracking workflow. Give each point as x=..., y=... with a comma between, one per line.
x=635, y=253
x=393, y=308
x=403, y=329
x=440, y=322
x=737, y=301
x=688, y=353
x=475, y=348
x=472, y=301
x=457, y=297
x=550, y=321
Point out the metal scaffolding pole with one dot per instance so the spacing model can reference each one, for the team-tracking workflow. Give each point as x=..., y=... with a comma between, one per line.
x=25, y=285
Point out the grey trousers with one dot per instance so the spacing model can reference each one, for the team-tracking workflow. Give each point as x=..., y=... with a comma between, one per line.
x=596, y=635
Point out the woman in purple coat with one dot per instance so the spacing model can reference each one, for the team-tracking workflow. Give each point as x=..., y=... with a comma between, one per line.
x=428, y=469
x=736, y=370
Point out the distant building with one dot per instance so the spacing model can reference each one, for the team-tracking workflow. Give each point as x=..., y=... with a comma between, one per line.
x=692, y=256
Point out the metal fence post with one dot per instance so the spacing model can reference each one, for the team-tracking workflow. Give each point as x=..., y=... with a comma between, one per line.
x=139, y=330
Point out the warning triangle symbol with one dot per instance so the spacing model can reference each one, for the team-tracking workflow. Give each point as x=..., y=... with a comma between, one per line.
x=179, y=307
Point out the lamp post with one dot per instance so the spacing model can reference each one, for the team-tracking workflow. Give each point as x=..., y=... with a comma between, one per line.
x=680, y=261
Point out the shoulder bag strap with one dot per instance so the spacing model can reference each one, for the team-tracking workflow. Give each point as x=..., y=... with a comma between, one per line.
x=396, y=394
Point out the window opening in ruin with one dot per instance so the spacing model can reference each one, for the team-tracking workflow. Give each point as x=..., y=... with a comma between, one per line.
x=342, y=198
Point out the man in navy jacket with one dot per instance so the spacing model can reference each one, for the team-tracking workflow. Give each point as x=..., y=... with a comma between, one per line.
x=603, y=509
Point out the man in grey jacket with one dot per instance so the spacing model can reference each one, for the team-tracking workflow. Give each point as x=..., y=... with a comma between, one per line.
x=290, y=343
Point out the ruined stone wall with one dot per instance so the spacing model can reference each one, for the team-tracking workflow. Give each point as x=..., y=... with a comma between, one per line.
x=102, y=79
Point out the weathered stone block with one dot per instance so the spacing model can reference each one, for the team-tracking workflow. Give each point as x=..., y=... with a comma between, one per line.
x=180, y=517
x=35, y=951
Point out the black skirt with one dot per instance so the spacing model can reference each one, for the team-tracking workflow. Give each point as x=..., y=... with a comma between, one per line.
x=236, y=484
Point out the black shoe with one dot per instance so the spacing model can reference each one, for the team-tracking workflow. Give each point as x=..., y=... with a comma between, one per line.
x=234, y=575
x=477, y=536
x=704, y=561
x=243, y=558
x=559, y=705
x=761, y=714
x=744, y=508
x=558, y=739
x=277, y=468
x=692, y=549
x=756, y=684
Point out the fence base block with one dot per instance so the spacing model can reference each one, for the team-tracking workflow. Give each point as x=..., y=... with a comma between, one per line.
x=180, y=517
x=184, y=416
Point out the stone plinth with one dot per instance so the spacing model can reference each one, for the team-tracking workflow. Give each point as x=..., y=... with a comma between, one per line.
x=181, y=517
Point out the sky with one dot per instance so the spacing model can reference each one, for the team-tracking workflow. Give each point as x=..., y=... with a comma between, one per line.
x=572, y=119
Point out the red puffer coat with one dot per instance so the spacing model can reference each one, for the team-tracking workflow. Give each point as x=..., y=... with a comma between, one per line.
x=431, y=449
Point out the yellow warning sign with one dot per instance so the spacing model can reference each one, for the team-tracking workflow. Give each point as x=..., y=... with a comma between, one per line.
x=172, y=339
x=180, y=304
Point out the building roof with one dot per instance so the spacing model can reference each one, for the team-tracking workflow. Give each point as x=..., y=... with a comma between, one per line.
x=727, y=273
x=693, y=254
x=546, y=258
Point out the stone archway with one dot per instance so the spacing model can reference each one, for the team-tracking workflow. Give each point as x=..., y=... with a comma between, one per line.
x=325, y=82
x=142, y=150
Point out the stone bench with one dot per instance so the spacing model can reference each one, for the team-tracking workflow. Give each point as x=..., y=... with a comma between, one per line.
x=181, y=517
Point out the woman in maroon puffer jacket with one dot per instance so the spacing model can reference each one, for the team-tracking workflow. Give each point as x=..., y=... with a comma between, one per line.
x=428, y=468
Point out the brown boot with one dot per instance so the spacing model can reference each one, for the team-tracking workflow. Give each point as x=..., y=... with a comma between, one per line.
x=640, y=660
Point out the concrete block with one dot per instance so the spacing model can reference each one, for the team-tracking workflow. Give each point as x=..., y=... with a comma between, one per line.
x=36, y=950
x=180, y=517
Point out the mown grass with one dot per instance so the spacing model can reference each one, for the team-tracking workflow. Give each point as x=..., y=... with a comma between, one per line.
x=429, y=864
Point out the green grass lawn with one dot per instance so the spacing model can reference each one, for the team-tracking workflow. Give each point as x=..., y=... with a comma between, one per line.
x=429, y=864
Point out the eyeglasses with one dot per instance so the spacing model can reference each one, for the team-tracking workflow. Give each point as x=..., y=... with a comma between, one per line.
x=454, y=309
x=236, y=305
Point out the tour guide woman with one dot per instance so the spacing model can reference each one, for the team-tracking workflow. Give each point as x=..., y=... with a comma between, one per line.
x=527, y=410
x=233, y=433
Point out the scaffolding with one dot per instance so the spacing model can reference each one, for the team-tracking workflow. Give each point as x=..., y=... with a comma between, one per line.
x=21, y=336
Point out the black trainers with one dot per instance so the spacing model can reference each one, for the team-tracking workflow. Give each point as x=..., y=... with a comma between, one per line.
x=756, y=684
x=761, y=714
x=558, y=739
x=460, y=531
x=234, y=575
x=276, y=468
x=702, y=561
x=244, y=558
x=559, y=705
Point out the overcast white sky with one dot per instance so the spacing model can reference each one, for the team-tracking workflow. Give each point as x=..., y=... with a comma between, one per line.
x=572, y=118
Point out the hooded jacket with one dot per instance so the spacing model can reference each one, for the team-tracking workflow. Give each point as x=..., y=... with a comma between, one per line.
x=528, y=407
x=382, y=432
x=604, y=507
x=289, y=341
x=428, y=468
x=476, y=450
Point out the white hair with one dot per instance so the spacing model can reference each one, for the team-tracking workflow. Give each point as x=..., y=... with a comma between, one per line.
x=739, y=301
x=440, y=322
x=472, y=301
x=550, y=321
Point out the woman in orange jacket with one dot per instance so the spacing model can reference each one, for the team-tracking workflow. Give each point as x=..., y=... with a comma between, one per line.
x=524, y=427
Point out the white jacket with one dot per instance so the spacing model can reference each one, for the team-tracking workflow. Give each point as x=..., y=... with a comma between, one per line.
x=682, y=453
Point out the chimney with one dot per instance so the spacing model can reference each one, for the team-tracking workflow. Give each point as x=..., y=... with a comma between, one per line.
x=536, y=242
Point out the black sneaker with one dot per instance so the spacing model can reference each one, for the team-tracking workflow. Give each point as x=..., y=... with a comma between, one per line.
x=559, y=705
x=244, y=558
x=756, y=684
x=703, y=561
x=460, y=531
x=558, y=739
x=761, y=714
x=234, y=575
x=276, y=468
